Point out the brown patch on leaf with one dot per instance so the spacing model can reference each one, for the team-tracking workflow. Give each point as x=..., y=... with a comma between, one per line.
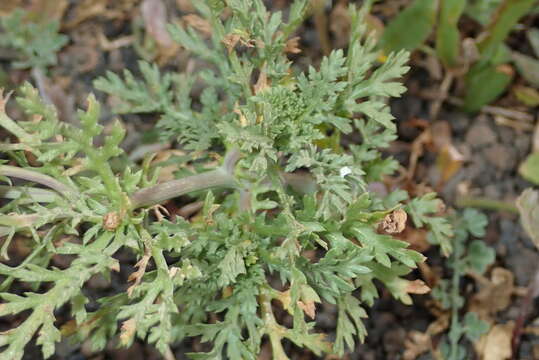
x=395, y=222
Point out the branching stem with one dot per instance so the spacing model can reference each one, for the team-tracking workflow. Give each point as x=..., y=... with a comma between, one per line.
x=273, y=329
x=221, y=177
x=34, y=176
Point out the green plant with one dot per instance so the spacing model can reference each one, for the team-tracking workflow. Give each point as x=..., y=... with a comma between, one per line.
x=474, y=256
x=36, y=43
x=486, y=77
x=279, y=193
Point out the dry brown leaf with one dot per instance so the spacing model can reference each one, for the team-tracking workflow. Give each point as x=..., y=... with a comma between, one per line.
x=198, y=23
x=154, y=15
x=495, y=293
x=128, y=331
x=496, y=344
x=292, y=45
x=416, y=343
x=308, y=308
x=141, y=269
x=185, y=5
x=449, y=162
x=394, y=222
x=417, y=287
x=230, y=41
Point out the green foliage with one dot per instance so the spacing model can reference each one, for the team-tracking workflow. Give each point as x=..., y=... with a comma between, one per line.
x=37, y=43
x=411, y=27
x=475, y=256
x=448, y=34
x=283, y=219
x=488, y=71
x=489, y=76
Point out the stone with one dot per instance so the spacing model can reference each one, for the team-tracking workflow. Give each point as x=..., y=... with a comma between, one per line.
x=501, y=156
x=480, y=134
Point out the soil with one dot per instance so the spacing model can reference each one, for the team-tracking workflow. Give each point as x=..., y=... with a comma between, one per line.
x=492, y=153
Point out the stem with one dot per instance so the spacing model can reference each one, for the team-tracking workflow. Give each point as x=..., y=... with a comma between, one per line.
x=37, y=177
x=273, y=329
x=35, y=194
x=221, y=177
x=455, y=332
x=486, y=203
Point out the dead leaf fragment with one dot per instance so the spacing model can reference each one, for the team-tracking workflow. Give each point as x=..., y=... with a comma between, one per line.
x=198, y=23
x=416, y=343
x=128, y=331
x=495, y=293
x=417, y=287
x=141, y=269
x=308, y=308
x=449, y=161
x=292, y=45
x=230, y=41
x=496, y=344
x=394, y=222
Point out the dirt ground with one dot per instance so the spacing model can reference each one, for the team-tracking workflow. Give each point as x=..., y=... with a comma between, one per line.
x=109, y=36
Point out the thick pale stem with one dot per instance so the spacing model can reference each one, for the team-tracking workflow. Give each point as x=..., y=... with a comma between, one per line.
x=273, y=329
x=486, y=203
x=222, y=177
x=34, y=176
x=35, y=194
